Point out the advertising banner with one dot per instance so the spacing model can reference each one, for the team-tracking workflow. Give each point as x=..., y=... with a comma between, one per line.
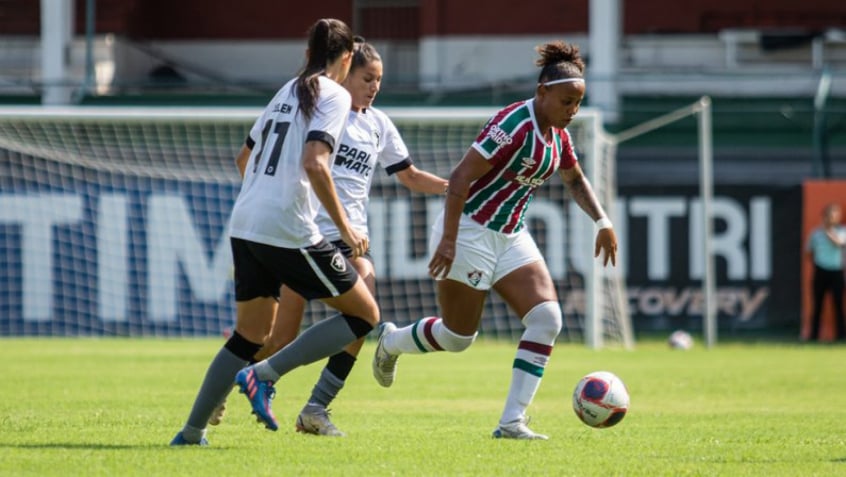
x=102, y=253
x=755, y=240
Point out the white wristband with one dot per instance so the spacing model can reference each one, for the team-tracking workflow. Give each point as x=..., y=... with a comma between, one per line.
x=604, y=223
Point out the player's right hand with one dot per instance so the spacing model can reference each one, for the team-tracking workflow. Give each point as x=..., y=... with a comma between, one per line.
x=357, y=241
x=606, y=241
x=442, y=259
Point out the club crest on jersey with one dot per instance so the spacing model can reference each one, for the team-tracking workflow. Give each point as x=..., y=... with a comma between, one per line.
x=474, y=277
x=497, y=135
x=528, y=162
x=338, y=263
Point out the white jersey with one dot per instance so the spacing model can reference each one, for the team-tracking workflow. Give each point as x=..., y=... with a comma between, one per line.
x=370, y=138
x=277, y=205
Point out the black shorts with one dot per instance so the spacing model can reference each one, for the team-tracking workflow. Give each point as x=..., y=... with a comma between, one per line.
x=319, y=271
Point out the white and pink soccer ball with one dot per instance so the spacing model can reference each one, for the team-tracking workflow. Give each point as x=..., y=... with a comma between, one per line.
x=601, y=399
x=680, y=339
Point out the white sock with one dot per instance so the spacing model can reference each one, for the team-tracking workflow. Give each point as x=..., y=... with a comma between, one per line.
x=425, y=335
x=543, y=323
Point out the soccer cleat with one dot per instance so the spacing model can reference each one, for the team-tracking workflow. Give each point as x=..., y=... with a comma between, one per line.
x=179, y=440
x=217, y=414
x=260, y=394
x=314, y=419
x=517, y=430
x=384, y=363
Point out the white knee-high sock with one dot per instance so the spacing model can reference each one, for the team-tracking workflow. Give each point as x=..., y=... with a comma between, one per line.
x=425, y=335
x=543, y=323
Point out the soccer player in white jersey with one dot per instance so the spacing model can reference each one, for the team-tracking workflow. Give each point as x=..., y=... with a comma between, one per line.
x=275, y=239
x=479, y=242
x=370, y=139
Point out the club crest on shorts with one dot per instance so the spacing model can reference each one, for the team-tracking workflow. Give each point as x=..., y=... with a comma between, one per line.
x=338, y=263
x=474, y=277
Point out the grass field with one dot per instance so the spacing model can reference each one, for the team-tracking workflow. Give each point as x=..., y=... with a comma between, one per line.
x=110, y=407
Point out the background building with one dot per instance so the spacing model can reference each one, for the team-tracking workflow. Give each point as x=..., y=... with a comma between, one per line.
x=718, y=47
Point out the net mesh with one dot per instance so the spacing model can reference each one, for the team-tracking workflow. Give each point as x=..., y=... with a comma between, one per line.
x=113, y=221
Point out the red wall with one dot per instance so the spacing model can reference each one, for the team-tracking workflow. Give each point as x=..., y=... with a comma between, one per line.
x=503, y=17
x=244, y=19
x=185, y=19
x=650, y=16
x=255, y=19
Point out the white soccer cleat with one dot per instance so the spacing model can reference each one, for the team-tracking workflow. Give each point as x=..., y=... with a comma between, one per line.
x=384, y=363
x=517, y=430
x=315, y=420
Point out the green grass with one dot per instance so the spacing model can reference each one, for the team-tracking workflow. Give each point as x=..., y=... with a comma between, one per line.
x=109, y=407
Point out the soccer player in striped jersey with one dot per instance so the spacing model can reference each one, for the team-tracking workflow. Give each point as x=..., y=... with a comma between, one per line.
x=370, y=139
x=480, y=241
x=276, y=240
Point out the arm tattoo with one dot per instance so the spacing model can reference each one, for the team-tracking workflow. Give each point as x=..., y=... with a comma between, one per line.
x=583, y=194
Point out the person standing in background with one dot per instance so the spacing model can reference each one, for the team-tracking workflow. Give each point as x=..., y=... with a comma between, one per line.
x=825, y=246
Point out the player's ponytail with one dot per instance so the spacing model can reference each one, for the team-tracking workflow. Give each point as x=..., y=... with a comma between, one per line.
x=559, y=60
x=328, y=39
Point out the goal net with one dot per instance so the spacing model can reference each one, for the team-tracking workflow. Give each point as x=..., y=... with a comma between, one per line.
x=113, y=222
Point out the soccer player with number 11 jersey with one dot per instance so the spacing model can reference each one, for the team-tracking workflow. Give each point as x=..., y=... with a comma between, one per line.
x=370, y=139
x=276, y=241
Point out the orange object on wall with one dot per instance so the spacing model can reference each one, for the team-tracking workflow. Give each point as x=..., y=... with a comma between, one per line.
x=816, y=195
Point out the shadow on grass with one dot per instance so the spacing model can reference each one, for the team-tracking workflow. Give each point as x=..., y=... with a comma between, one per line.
x=89, y=446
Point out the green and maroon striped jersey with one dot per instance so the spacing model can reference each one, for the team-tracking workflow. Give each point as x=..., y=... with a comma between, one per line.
x=522, y=160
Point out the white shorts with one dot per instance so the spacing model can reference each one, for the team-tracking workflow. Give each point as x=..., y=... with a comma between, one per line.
x=483, y=256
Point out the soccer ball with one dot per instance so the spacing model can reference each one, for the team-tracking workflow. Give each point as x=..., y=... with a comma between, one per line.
x=601, y=399
x=680, y=339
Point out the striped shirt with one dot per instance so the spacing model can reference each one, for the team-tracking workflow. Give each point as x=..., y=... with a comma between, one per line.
x=522, y=160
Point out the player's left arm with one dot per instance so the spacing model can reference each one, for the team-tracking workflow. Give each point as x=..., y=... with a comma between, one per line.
x=422, y=181
x=582, y=192
x=395, y=154
x=242, y=159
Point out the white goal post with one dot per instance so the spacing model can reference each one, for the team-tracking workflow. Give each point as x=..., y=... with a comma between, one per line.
x=114, y=218
x=702, y=110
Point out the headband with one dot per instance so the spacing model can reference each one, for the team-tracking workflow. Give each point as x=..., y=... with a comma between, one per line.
x=564, y=80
